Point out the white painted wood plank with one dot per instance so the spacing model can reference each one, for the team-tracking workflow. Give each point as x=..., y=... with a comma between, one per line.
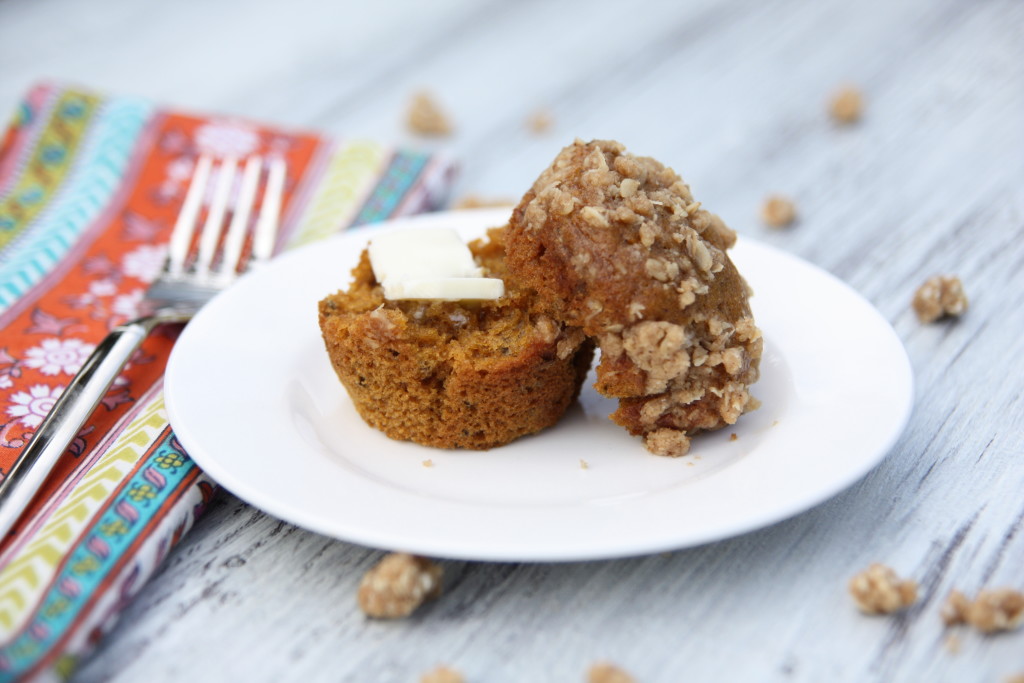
x=732, y=95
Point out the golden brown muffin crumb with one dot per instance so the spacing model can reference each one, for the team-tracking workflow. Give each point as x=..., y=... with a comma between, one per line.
x=606, y=672
x=428, y=463
x=778, y=211
x=442, y=674
x=425, y=117
x=399, y=584
x=846, y=105
x=616, y=246
x=879, y=590
x=942, y=295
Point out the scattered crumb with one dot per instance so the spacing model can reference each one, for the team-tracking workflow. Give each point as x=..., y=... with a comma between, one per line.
x=472, y=201
x=442, y=674
x=428, y=463
x=775, y=423
x=998, y=609
x=690, y=463
x=778, y=211
x=584, y=465
x=846, y=105
x=425, y=117
x=539, y=121
x=399, y=584
x=952, y=645
x=879, y=590
x=606, y=672
x=939, y=296
x=733, y=436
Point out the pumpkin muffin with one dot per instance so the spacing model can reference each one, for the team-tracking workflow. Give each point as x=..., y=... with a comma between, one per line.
x=454, y=374
x=615, y=246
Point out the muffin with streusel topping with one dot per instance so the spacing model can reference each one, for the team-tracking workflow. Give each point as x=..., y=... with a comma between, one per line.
x=615, y=246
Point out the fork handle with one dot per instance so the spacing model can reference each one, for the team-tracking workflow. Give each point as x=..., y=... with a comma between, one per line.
x=67, y=416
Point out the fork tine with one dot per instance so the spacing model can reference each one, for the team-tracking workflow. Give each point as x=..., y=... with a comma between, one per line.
x=210, y=236
x=235, y=239
x=270, y=213
x=184, y=227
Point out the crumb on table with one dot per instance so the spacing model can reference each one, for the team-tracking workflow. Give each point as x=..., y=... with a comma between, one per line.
x=425, y=117
x=442, y=674
x=606, y=672
x=778, y=211
x=733, y=437
x=398, y=584
x=584, y=464
x=941, y=295
x=539, y=121
x=993, y=610
x=846, y=105
x=879, y=590
x=428, y=463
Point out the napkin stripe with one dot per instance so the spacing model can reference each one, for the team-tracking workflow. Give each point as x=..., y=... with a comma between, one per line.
x=158, y=473
x=345, y=183
x=24, y=133
x=402, y=173
x=49, y=164
x=104, y=156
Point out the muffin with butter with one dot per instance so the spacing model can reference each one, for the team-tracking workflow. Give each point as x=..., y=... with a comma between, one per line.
x=436, y=346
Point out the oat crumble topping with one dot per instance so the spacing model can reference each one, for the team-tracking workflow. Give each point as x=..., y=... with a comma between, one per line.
x=879, y=590
x=942, y=295
x=425, y=117
x=778, y=211
x=399, y=584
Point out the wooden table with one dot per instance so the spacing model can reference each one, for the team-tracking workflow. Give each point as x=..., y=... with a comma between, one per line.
x=733, y=95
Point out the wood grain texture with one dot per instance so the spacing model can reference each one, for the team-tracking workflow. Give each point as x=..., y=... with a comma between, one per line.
x=732, y=94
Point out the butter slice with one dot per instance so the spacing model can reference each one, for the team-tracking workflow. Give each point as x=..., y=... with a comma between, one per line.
x=429, y=263
x=446, y=289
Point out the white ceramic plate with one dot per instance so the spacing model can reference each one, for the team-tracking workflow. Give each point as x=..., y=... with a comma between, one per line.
x=252, y=396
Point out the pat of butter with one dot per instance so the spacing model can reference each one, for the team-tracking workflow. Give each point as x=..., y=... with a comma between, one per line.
x=446, y=289
x=429, y=263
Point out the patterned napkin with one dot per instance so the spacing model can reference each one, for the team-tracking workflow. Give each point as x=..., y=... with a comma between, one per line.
x=89, y=189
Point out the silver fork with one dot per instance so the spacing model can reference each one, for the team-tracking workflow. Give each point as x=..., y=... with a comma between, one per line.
x=184, y=285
